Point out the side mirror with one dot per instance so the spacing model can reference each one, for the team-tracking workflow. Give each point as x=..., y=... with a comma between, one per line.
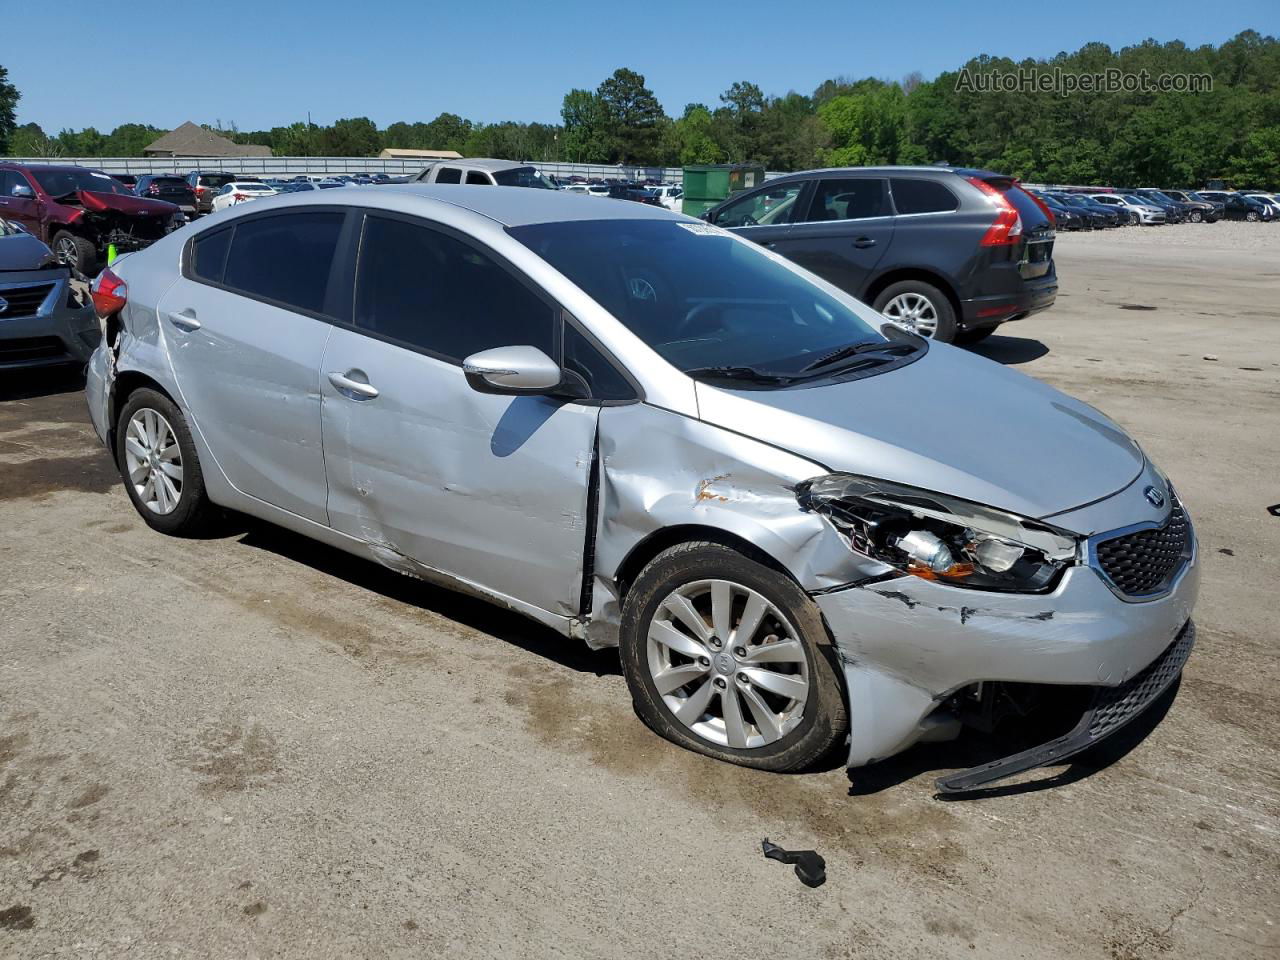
x=512, y=370
x=23, y=192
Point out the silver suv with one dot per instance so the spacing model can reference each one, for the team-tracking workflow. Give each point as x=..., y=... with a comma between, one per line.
x=641, y=430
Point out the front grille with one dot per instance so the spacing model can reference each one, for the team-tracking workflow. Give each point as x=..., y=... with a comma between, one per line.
x=23, y=301
x=25, y=349
x=1116, y=705
x=1145, y=562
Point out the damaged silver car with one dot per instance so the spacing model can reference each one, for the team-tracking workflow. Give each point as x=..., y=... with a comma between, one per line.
x=806, y=529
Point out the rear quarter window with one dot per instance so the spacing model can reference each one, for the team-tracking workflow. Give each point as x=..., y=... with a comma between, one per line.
x=921, y=196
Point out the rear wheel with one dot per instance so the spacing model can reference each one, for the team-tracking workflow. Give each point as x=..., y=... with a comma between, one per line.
x=728, y=657
x=1196, y=216
x=75, y=252
x=919, y=307
x=160, y=467
x=1251, y=216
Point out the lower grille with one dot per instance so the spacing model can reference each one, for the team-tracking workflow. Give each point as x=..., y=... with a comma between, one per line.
x=1146, y=562
x=24, y=349
x=23, y=301
x=1116, y=705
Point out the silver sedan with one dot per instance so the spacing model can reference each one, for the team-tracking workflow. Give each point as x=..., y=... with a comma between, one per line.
x=806, y=529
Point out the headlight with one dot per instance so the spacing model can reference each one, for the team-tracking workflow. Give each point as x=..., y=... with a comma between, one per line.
x=942, y=538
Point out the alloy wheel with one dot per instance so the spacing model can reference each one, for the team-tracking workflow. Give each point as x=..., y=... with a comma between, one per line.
x=913, y=311
x=66, y=252
x=153, y=460
x=728, y=664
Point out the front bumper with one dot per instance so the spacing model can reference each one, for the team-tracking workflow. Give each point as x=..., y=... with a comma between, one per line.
x=57, y=333
x=908, y=644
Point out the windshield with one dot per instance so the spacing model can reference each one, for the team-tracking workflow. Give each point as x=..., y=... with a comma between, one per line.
x=700, y=297
x=1137, y=201
x=523, y=177
x=61, y=183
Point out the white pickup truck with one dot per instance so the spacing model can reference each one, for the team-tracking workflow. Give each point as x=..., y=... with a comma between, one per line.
x=484, y=172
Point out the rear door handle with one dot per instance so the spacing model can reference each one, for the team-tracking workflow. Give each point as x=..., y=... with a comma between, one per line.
x=863, y=242
x=352, y=388
x=185, y=320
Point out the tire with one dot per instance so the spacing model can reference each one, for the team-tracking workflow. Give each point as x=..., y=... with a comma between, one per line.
x=193, y=514
x=1197, y=216
x=974, y=336
x=76, y=252
x=802, y=730
x=940, y=314
x=1252, y=216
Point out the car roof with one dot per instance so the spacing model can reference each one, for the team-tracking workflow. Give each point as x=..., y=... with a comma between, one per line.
x=481, y=163
x=521, y=206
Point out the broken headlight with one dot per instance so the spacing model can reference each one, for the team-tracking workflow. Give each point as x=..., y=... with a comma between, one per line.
x=941, y=538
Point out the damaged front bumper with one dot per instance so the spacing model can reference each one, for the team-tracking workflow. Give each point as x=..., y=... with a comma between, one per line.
x=908, y=645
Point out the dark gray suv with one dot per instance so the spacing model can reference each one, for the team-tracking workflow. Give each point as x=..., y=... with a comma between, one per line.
x=948, y=252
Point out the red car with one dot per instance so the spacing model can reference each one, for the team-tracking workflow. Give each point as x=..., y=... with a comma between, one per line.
x=80, y=212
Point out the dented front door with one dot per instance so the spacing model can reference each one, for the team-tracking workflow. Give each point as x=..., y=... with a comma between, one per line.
x=488, y=489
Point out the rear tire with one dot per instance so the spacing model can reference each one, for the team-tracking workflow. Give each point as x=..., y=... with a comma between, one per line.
x=160, y=468
x=75, y=252
x=770, y=698
x=1196, y=216
x=901, y=302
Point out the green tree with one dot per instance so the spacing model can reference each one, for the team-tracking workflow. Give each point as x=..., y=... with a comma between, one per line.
x=355, y=137
x=694, y=139
x=866, y=124
x=31, y=141
x=9, y=97
x=586, y=127
x=634, y=118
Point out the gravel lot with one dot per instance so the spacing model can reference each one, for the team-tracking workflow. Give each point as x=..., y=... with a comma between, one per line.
x=254, y=746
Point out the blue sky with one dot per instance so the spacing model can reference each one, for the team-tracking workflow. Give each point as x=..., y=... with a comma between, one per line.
x=265, y=65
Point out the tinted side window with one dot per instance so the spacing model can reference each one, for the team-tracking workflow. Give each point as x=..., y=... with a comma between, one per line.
x=285, y=258
x=770, y=206
x=8, y=181
x=852, y=199
x=209, y=254
x=602, y=379
x=449, y=175
x=427, y=290
x=922, y=196
x=478, y=178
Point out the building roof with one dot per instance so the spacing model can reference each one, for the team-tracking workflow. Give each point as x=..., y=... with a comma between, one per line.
x=190, y=140
x=400, y=153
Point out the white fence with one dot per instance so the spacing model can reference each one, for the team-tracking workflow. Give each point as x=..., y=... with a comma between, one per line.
x=319, y=166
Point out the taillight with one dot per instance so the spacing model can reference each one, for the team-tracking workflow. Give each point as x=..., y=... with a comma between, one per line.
x=1007, y=228
x=109, y=294
x=239, y=196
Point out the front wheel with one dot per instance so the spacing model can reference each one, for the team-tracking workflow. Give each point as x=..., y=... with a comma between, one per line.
x=728, y=657
x=1196, y=216
x=1251, y=216
x=919, y=307
x=75, y=252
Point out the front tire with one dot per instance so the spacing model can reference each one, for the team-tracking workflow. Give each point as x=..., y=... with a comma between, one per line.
x=160, y=468
x=75, y=252
x=920, y=307
x=728, y=657
x=1196, y=216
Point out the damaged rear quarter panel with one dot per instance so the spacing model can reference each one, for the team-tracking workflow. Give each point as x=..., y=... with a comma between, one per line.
x=660, y=469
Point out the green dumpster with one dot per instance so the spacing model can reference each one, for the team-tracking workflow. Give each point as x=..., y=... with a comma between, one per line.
x=705, y=185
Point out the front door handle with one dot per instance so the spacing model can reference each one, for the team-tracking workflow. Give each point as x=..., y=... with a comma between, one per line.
x=863, y=242
x=347, y=385
x=185, y=320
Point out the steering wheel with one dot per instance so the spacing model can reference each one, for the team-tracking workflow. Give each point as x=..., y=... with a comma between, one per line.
x=695, y=313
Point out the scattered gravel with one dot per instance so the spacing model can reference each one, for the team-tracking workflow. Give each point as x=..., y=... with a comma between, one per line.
x=1234, y=233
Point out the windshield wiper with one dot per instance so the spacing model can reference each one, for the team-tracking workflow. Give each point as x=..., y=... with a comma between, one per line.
x=738, y=373
x=861, y=347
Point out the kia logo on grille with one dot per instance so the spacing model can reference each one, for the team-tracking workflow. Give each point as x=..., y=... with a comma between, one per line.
x=1154, y=497
x=4, y=304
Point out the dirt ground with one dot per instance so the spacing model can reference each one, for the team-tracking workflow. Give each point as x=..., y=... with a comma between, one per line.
x=254, y=746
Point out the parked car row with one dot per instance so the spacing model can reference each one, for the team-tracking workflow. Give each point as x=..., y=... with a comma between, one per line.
x=1148, y=206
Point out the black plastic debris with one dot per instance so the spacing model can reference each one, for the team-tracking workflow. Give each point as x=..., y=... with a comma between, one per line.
x=810, y=867
x=1274, y=509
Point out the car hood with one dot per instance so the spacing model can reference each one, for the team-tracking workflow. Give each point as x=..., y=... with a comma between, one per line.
x=952, y=422
x=21, y=251
x=96, y=202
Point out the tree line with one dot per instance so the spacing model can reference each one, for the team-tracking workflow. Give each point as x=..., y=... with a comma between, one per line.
x=1127, y=136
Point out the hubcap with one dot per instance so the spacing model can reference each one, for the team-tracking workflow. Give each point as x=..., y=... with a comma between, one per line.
x=66, y=252
x=913, y=311
x=154, y=461
x=727, y=664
